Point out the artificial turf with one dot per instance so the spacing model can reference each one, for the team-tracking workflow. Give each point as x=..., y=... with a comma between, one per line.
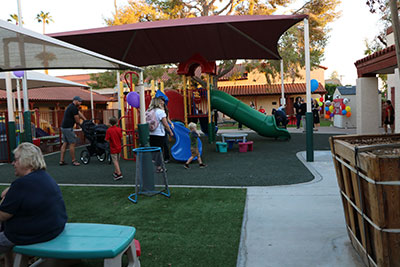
x=272, y=162
x=195, y=227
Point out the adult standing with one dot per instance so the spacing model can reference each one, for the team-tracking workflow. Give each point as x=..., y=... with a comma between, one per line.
x=72, y=115
x=157, y=137
x=297, y=111
x=315, y=111
x=32, y=208
x=389, y=116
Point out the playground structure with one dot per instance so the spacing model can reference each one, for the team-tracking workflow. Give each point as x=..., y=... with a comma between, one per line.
x=193, y=103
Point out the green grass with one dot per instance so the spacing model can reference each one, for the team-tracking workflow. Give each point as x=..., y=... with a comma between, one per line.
x=195, y=227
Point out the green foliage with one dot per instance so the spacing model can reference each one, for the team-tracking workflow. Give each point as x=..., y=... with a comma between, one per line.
x=331, y=89
x=106, y=79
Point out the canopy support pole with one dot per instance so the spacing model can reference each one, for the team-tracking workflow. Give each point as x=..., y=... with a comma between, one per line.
x=283, y=100
x=11, y=121
x=309, y=117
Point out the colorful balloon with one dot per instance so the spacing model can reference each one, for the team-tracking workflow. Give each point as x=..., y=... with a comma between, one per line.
x=332, y=114
x=133, y=99
x=328, y=112
x=327, y=116
x=314, y=85
x=320, y=104
x=321, y=99
x=344, y=112
x=348, y=114
x=348, y=109
x=327, y=108
x=346, y=100
x=331, y=108
x=328, y=103
x=19, y=73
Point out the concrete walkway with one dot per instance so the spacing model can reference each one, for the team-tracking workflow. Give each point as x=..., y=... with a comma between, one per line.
x=297, y=225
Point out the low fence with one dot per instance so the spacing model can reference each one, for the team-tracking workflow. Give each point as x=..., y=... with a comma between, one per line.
x=46, y=129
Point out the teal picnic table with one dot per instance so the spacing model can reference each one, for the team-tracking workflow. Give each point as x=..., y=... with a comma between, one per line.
x=85, y=241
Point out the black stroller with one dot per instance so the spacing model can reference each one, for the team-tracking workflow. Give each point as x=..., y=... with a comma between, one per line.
x=98, y=146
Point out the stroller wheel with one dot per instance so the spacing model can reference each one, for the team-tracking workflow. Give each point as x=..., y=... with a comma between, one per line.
x=85, y=157
x=109, y=158
x=102, y=157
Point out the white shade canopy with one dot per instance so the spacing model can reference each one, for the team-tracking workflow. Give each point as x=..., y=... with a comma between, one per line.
x=22, y=49
x=37, y=80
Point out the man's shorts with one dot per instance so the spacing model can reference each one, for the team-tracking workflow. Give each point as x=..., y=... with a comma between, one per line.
x=68, y=135
x=5, y=244
x=194, y=151
x=389, y=121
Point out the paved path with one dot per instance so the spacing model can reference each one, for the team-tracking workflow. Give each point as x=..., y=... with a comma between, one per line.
x=297, y=225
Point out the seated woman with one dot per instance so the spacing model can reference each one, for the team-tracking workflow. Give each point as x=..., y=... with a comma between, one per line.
x=32, y=208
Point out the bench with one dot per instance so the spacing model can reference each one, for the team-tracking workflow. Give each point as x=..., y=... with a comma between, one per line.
x=84, y=241
x=246, y=146
x=221, y=147
x=48, y=142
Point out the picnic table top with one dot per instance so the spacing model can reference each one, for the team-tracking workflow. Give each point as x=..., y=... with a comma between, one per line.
x=83, y=241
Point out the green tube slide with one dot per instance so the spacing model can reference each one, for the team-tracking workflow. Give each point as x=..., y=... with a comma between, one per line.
x=239, y=111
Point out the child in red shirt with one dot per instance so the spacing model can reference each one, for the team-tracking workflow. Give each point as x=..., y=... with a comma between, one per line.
x=113, y=136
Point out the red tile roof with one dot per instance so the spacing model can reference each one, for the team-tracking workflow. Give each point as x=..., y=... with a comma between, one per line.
x=265, y=89
x=78, y=78
x=60, y=94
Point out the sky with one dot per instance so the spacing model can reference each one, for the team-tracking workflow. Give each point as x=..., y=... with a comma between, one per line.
x=346, y=43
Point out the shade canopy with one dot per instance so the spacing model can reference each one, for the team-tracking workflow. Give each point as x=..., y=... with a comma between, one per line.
x=37, y=80
x=22, y=49
x=174, y=41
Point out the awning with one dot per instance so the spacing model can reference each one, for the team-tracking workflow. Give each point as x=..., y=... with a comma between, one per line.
x=22, y=49
x=37, y=80
x=174, y=41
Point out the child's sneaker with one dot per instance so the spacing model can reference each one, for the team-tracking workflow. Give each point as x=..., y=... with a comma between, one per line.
x=117, y=176
x=186, y=166
x=202, y=165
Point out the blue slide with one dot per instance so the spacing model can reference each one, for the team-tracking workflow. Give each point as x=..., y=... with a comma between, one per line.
x=180, y=151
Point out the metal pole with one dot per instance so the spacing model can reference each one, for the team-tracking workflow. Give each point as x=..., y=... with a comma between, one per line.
x=309, y=117
x=283, y=100
x=91, y=102
x=27, y=114
x=119, y=94
x=11, y=120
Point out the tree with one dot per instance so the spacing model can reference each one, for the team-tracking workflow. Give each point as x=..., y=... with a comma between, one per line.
x=44, y=18
x=103, y=80
x=14, y=17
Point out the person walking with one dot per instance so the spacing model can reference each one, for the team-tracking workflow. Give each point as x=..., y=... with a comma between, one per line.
x=389, y=116
x=157, y=136
x=72, y=116
x=114, y=136
x=194, y=149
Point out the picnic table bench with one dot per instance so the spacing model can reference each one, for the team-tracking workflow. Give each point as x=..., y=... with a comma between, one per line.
x=84, y=241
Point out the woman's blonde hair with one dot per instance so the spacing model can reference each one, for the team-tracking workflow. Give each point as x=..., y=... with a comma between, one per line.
x=192, y=125
x=30, y=156
x=156, y=103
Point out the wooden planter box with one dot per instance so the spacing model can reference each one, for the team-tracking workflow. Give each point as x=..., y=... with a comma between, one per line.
x=368, y=174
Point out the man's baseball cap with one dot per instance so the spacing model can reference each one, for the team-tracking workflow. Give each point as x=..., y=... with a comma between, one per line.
x=77, y=98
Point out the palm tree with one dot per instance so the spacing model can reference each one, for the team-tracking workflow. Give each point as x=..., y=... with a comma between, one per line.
x=14, y=17
x=45, y=18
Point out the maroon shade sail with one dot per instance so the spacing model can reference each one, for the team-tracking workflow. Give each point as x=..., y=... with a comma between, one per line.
x=174, y=41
